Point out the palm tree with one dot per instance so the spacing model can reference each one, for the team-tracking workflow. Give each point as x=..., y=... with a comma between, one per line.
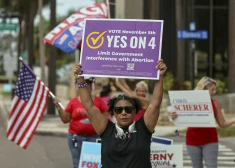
x=231, y=62
x=4, y=3
x=27, y=10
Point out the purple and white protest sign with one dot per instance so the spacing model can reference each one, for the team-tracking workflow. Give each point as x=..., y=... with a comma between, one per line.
x=121, y=48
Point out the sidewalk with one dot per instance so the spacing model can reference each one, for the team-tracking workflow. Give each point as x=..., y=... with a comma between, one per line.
x=49, y=124
x=52, y=125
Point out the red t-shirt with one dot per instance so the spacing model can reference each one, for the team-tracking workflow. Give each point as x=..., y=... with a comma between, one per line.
x=80, y=123
x=139, y=114
x=202, y=136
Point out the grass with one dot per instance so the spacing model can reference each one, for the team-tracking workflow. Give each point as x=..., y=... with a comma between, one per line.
x=226, y=132
x=4, y=93
x=4, y=78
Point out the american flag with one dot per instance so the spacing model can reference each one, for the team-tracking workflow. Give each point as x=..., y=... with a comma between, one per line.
x=28, y=106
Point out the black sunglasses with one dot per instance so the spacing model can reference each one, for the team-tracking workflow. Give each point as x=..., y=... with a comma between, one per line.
x=128, y=109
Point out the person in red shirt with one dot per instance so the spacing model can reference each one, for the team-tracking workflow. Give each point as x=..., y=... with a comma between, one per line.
x=140, y=92
x=107, y=93
x=202, y=143
x=80, y=128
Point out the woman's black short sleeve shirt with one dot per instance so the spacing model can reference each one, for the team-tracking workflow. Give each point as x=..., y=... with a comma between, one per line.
x=130, y=152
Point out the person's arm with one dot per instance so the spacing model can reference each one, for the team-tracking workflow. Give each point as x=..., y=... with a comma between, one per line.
x=64, y=116
x=220, y=118
x=103, y=108
x=98, y=120
x=106, y=114
x=121, y=84
x=144, y=101
x=152, y=113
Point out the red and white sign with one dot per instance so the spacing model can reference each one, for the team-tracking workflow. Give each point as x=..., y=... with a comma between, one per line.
x=193, y=107
x=166, y=156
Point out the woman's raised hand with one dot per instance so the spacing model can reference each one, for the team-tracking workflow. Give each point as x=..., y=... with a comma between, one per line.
x=174, y=115
x=78, y=71
x=161, y=66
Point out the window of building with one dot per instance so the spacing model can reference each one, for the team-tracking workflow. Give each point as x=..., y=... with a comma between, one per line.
x=202, y=2
x=220, y=3
x=211, y=54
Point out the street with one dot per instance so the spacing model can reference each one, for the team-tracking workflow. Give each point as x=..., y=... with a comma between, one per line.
x=52, y=152
x=43, y=152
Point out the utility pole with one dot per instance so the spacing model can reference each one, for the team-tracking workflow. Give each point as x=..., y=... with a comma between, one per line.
x=41, y=46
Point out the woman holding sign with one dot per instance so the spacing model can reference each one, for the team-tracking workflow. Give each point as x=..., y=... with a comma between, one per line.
x=202, y=143
x=140, y=92
x=125, y=144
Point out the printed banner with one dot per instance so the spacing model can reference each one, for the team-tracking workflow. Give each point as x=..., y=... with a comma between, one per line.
x=68, y=34
x=167, y=156
x=194, y=108
x=90, y=155
x=121, y=48
x=162, y=156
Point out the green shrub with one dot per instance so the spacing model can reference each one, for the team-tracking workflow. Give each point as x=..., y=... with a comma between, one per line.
x=6, y=93
x=170, y=83
x=226, y=132
x=223, y=132
x=221, y=87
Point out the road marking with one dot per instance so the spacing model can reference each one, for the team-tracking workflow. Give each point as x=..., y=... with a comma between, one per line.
x=219, y=162
x=227, y=153
x=219, y=158
x=226, y=157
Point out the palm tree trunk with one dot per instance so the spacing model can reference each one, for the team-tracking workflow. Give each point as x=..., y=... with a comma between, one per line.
x=51, y=59
x=19, y=43
x=4, y=3
x=231, y=52
x=41, y=45
x=32, y=13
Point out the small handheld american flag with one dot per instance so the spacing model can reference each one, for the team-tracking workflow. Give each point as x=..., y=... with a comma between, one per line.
x=28, y=106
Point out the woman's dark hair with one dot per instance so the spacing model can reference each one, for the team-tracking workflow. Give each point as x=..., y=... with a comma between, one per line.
x=136, y=103
x=105, y=90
